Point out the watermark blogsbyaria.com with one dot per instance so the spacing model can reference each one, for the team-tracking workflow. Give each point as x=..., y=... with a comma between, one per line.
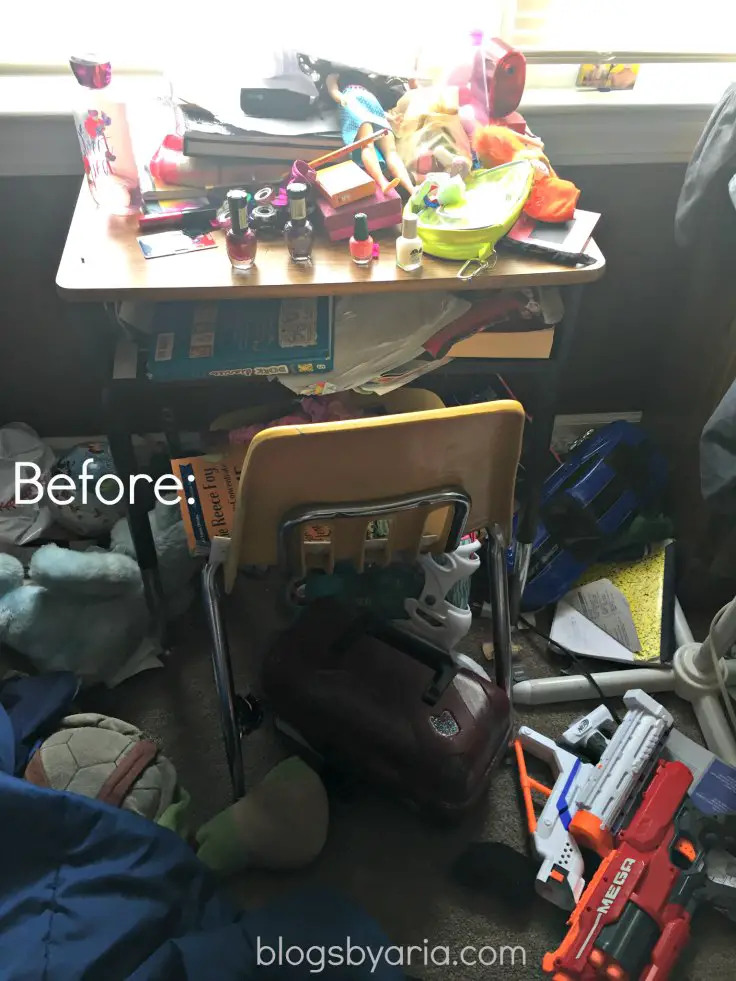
x=109, y=488
x=320, y=959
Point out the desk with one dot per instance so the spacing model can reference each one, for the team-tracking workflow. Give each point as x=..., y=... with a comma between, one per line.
x=102, y=262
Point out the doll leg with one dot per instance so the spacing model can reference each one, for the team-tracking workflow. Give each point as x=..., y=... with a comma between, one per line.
x=369, y=158
x=394, y=162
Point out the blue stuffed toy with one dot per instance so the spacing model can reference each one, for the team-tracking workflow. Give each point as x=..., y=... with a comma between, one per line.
x=85, y=611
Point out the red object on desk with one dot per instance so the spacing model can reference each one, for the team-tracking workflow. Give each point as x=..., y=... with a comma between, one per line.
x=514, y=121
x=506, y=76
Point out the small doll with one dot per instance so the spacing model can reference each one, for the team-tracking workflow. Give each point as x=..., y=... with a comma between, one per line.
x=361, y=114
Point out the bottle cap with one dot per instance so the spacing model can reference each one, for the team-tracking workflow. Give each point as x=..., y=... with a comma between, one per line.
x=237, y=202
x=409, y=224
x=297, y=194
x=91, y=71
x=360, y=227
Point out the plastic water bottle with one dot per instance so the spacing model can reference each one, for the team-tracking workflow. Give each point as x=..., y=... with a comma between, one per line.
x=101, y=120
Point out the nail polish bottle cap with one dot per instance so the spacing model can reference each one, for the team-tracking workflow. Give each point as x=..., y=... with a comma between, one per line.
x=237, y=202
x=297, y=195
x=91, y=71
x=409, y=226
x=360, y=227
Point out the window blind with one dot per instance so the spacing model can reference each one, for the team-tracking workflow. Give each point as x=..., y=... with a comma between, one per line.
x=632, y=30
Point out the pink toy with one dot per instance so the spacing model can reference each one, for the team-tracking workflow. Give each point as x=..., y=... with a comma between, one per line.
x=383, y=211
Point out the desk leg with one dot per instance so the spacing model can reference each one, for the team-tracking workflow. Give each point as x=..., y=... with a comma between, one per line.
x=123, y=455
x=540, y=437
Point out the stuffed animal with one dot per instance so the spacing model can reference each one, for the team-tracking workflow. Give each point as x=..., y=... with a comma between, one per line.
x=280, y=824
x=175, y=563
x=108, y=759
x=552, y=199
x=85, y=611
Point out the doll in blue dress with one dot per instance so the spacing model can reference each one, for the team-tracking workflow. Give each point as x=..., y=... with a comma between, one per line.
x=360, y=115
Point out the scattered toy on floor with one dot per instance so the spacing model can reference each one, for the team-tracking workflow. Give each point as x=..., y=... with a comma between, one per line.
x=86, y=513
x=85, y=611
x=176, y=566
x=110, y=760
x=281, y=824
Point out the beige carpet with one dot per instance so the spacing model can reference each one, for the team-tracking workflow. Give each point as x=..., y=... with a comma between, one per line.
x=380, y=855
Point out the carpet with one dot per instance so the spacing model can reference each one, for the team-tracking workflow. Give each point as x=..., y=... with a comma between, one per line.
x=379, y=854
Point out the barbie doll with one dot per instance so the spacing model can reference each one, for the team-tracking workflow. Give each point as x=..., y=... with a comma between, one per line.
x=360, y=115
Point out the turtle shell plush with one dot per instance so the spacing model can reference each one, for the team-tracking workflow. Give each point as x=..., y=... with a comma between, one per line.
x=108, y=759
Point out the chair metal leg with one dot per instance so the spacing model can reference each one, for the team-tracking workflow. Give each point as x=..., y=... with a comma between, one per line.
x=500, y=608
x=222, y=667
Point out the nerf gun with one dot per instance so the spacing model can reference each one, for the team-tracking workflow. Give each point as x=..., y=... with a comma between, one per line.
x=633, y=920
x=588, y=803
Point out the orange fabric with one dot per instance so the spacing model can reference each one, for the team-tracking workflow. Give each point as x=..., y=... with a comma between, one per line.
x=552, y=199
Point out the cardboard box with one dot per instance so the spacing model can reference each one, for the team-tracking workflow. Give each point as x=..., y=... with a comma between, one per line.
x=345, y=183
x=241, y=337
x=383, y=211
x=505, y=344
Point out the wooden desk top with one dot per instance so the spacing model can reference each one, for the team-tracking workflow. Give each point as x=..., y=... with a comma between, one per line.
x=102, y=261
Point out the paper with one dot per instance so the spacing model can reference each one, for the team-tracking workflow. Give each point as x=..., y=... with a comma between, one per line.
x=174, y=243
x=607, y=607
x=573, y=630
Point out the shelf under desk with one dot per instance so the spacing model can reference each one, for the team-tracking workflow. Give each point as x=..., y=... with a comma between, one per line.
x=102, y=262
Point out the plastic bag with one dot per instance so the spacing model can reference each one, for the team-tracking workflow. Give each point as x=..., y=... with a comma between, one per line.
x=20, y=520
x=376, y=333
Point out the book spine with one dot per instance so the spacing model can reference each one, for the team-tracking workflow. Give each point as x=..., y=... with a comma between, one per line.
x=189, y=371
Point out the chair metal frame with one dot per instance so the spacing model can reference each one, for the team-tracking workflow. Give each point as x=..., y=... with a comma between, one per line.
x=236, y=718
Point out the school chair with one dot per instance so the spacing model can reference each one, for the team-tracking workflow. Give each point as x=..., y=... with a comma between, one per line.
x=433, y=473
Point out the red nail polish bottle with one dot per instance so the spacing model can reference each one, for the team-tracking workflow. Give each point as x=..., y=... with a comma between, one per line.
x=361, y=244
x=241, y=240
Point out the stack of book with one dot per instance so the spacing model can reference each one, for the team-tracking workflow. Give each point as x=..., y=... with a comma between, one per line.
x=260, y=141
x=257, y=152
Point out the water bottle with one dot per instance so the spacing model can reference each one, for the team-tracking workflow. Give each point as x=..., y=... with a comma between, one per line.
x=101, y=120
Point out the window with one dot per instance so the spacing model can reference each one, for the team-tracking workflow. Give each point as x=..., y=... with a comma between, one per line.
x=205, y=35
x=624, y=26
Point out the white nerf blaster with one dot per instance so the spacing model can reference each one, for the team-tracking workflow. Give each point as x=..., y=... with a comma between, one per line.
x=589, y=801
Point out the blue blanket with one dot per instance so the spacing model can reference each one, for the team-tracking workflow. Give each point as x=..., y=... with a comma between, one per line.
x=91, y=893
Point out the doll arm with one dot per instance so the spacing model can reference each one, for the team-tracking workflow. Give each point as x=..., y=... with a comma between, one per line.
x=333, y=88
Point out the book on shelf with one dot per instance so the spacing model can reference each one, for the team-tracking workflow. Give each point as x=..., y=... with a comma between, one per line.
x=241, y=337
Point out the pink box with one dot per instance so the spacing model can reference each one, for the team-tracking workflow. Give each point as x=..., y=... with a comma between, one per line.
x=382, y=210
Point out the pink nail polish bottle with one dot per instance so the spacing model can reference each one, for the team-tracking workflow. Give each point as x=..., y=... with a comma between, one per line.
x=241, y=240
x=361, y=244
